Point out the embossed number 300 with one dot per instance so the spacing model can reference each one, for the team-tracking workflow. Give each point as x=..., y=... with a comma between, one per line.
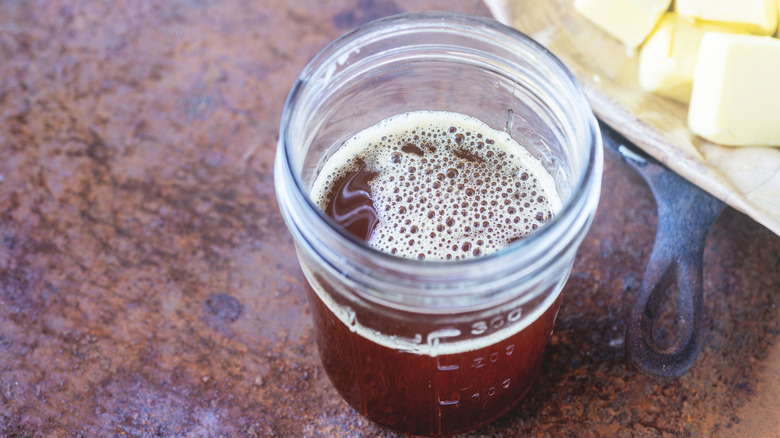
x=480, y=327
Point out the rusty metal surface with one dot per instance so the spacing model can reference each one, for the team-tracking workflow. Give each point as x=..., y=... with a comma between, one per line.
x=148, y=286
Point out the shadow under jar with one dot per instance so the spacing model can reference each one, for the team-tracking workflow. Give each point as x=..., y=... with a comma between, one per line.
x=434, y=347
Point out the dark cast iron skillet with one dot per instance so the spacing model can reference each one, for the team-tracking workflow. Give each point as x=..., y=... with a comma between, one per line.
x=685, y=215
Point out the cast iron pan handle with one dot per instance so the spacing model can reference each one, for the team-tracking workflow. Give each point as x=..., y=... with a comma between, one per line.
x=685, y=215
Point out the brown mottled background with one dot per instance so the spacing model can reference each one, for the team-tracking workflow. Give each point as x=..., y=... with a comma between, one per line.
x=148, y=286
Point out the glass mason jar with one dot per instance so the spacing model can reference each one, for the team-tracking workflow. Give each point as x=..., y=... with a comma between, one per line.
x=436, y=347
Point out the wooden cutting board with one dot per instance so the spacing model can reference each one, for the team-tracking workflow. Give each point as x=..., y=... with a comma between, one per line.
x=746, y=178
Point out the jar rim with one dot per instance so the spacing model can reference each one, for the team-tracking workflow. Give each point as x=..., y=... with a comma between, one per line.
x=435, y=270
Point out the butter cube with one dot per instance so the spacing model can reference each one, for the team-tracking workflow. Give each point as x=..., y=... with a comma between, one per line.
x=736, y=90
x=755, y=16
x=630, y=21
x=668, y=57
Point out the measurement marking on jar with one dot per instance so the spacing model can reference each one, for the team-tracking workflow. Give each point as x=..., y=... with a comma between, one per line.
x=413, y=343
x=452, y=399
x=489, y=392
x=448, y=402
x=478, y=328
x=441, y=367
x=479, y=362
x=515, y=314
x=497, y=322
x=352, y=320
x=435, y=336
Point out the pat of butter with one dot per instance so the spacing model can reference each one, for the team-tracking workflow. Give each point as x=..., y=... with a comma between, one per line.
x=668, y=57
x=736, y=90
x=755, y=16
x=630, y=21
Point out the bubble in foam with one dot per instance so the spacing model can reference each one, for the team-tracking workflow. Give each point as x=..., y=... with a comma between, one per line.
x=450, y=158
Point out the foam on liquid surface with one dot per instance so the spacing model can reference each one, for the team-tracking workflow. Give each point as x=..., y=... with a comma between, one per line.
x=447, y=186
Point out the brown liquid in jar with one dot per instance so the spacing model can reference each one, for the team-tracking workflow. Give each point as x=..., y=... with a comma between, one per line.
x=438, y=193
x=424, y=395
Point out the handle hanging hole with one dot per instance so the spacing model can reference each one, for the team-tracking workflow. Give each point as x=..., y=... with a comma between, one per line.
x=665, y=317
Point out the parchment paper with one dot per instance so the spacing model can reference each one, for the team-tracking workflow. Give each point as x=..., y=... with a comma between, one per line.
x=746, y=178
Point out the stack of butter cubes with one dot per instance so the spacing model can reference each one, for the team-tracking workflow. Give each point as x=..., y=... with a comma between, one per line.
x=721, y=57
